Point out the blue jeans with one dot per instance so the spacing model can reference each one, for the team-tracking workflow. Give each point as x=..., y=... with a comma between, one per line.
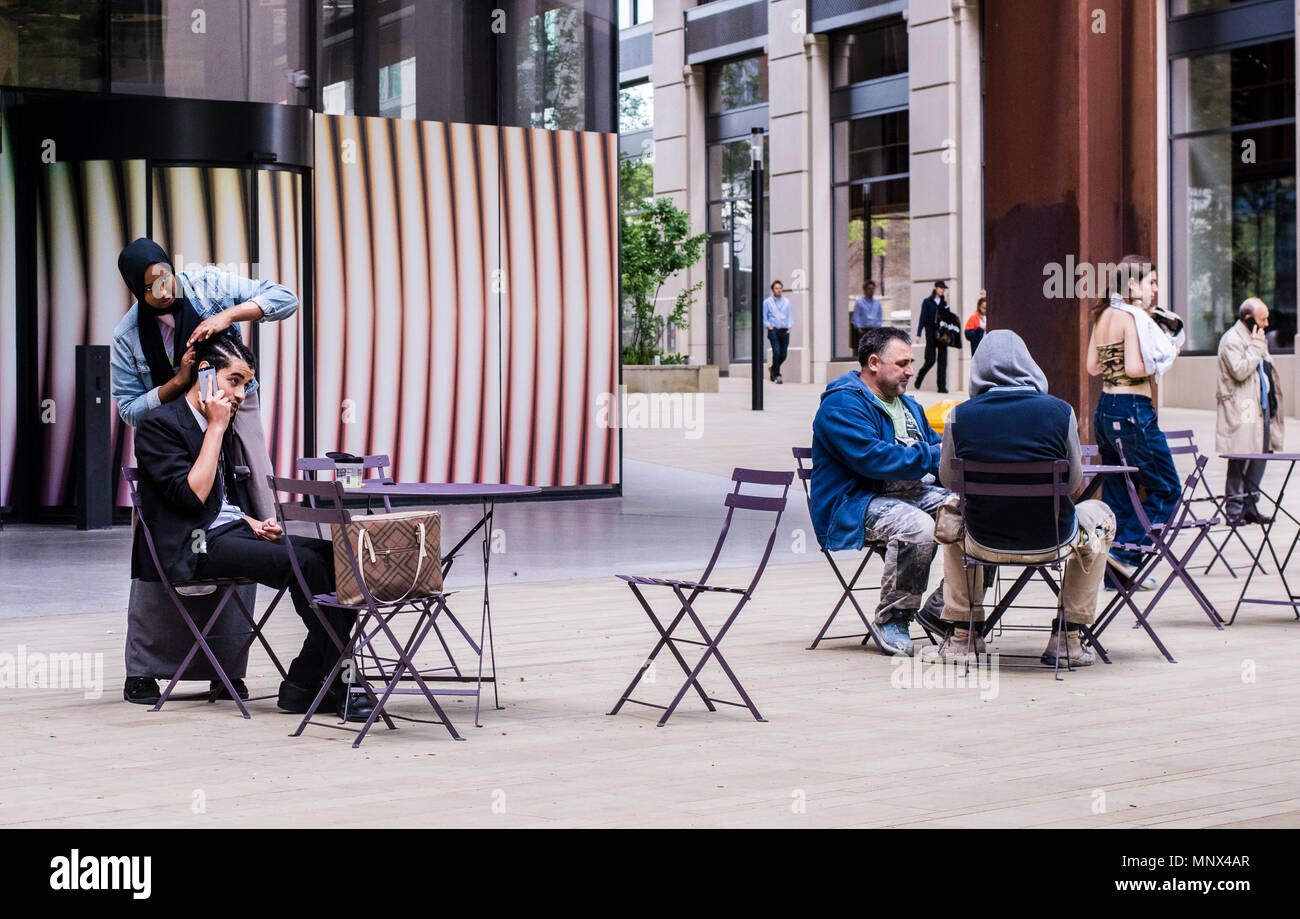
x=1131, y=420
x=780, y=339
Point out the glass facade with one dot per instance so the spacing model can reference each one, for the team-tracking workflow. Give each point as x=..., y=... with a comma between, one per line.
x=240, y=51
x=872, y=224
x=1233, y=170
x=734, y=86
x=56, y=44
x=877, y=51
x=737, y=84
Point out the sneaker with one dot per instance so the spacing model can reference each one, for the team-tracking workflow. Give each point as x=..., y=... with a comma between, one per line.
x=962, y=645
x=1129, y=571
x=1075, y=654
x=780, y=379
x=895, y=635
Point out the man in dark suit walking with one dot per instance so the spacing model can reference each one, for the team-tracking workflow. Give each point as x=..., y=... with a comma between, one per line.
x=928, y=325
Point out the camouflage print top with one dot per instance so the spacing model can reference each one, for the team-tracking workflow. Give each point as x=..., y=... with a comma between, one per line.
x=1111, y=358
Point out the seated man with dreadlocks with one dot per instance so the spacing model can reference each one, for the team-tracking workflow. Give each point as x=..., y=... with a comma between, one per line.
x=187, y=485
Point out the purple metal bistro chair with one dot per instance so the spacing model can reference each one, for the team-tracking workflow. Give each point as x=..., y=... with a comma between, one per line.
x=1188, y=448
x=1159, y=546
x=374, y=618
x=310, y=466
x=1045, y=479
x=803, y=463
x=734, y=500
x=229, y=588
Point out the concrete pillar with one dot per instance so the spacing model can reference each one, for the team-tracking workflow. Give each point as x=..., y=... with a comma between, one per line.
x=679, y=152
x=1070, y=165
x=821, y=234
x=945, y=152
x=789, y=210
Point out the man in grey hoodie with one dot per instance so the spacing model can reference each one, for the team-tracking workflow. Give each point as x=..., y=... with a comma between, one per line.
x=1012, y=419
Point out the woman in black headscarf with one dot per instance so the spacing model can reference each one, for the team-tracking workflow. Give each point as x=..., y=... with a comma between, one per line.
x=153, y=363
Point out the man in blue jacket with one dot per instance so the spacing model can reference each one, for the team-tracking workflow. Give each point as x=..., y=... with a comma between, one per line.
x=874, y=461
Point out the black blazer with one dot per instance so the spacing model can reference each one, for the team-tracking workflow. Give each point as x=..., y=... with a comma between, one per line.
x=167, y=443
x=929, y=315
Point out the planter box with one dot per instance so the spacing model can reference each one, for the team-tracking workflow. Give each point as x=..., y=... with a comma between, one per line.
x=651, y=378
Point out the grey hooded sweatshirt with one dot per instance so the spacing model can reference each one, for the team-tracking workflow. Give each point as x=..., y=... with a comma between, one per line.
x=1011, y=419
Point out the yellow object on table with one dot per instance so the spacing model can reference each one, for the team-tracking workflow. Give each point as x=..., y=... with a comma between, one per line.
x=937, y=414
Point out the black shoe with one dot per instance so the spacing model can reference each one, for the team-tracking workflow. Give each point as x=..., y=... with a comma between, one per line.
x=359, y=706
x=778, y=379
x=1235, y=520
x=217, y=690
x=296, y=698
x=933, y=624
x=141, y=690
x=943, y=390
x=771, y=375
x=1254, y=516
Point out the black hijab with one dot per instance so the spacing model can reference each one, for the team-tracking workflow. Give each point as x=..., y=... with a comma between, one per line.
x=133, y=263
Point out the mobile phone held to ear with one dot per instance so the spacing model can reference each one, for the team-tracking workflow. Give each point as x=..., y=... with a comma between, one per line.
x=1250, y=322
x=207, y=381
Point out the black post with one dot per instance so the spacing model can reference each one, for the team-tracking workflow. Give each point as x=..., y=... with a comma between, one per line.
x=93, y=469
x=757, y=268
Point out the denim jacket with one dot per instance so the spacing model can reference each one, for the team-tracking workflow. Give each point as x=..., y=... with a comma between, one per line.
x=210, y=291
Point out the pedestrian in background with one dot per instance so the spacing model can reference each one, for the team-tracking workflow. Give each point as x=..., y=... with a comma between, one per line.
x=867, y=313
x=1249, y=413
x=929, y=326
x=777, y=316
x=977, y=324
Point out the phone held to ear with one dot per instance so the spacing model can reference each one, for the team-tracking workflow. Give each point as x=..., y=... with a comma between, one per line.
x=1250, y=322
x=207, y=383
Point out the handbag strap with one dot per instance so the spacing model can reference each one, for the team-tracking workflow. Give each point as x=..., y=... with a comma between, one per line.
x=364, y=540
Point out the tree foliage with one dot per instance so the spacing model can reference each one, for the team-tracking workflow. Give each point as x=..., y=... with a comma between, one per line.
x=657, y=243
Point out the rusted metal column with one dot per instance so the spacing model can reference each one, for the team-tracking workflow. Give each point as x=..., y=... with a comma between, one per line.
x=1070, y=133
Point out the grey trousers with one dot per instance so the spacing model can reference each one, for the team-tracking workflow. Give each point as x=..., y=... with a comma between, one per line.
x=903, y=519
x=1244, y=476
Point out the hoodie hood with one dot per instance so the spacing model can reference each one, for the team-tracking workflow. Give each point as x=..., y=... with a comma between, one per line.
x=847, y=380
x=1003, y=360
x=135, y=261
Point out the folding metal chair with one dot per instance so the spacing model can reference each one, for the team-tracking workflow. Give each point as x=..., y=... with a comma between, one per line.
x=735, y=499
x=803, y=463
x=310, y=466
x=229, y=588
x=364, y=662
x=1158, y=547
x=1044, y=479
x=1183, y=443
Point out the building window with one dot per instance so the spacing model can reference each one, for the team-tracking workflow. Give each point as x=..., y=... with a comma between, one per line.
x=731, y=249
x=1232, y=159
x=52, y=46
x=872, y=221
x=879, y=50
x=737, y=84
x=635, y=12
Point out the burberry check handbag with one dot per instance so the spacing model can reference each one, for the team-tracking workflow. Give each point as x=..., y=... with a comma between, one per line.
x=399, y=554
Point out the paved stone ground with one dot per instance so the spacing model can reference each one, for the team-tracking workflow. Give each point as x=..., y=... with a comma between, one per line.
x=852, y=738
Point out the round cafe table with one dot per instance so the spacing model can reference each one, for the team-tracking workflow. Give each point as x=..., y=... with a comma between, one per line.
x=487, y=494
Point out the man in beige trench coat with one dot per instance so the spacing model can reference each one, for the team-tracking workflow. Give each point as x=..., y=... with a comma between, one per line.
x=1250, y=409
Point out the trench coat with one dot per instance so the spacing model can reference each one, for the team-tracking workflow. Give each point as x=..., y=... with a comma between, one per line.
x=1239, y=424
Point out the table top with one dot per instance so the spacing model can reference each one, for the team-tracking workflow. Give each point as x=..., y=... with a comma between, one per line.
x=1291, y=457
x=444, y=490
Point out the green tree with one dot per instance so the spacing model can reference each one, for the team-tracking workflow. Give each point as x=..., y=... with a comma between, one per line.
x=657, y=243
